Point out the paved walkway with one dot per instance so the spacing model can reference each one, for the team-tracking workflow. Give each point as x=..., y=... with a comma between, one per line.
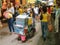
x=11, y=39
x=36, y=40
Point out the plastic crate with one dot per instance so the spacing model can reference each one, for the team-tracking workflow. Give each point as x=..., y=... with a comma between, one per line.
x=18, y=30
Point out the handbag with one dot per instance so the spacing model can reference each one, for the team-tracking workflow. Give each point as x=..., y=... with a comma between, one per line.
x=7, y=15
x=50, y=27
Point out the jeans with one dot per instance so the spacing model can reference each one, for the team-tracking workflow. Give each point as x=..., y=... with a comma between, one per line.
x=10, y=24
x=44, y=26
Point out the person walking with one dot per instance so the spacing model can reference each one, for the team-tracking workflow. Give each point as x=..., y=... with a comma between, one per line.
x=36, y=11
x=44, y=22
x=10, y=9
x=57, y=17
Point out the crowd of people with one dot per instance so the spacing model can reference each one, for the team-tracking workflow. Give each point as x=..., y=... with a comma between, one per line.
x=36, y=11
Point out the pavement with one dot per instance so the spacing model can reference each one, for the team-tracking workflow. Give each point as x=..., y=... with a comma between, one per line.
x=6, y=39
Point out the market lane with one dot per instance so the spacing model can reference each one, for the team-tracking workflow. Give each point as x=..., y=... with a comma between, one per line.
x=11, y=39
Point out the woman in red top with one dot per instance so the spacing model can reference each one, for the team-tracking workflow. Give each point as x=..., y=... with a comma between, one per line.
x=49, y=10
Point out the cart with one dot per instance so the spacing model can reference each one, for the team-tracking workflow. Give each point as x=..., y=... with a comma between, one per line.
x=24, y=27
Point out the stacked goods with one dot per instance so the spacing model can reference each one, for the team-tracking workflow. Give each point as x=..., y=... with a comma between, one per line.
x=21, y=21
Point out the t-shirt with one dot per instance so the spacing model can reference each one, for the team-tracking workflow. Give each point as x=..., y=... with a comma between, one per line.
x=49, y=10
x=28, y=10
x=11, y=10
x=45, y=17
x=36, y=10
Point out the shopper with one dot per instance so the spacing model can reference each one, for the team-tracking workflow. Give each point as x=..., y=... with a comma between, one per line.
x=10, y=9
x=44, y=22
x=49, y=9
x=36, y=11
x=57, y=17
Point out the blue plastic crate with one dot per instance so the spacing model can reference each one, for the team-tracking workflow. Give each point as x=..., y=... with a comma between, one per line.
x=18, y=29
x=20, y=23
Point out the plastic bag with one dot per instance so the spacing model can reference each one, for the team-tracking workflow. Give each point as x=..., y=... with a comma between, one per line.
x=7, y=15
x=50, y=27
